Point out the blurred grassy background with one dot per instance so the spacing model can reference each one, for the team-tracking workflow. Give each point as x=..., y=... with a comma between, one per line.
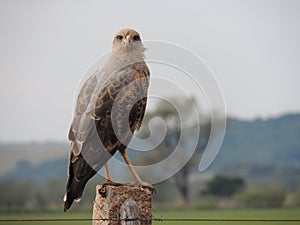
x=286, y=213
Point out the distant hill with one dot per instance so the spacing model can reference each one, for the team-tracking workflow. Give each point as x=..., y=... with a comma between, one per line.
x=41, y=173
x=273, y=141
x=34, y=161
x=33, y=152
x=262, y=151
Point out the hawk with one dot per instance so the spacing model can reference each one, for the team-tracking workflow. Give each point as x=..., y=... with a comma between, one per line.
x=110, y=107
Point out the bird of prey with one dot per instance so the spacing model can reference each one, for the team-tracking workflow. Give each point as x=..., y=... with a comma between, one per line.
x=109, y=108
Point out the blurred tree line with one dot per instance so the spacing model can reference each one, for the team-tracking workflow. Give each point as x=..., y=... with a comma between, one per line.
x=182, y=188
x=217, y=192
x=28, y=195
x=218, y=188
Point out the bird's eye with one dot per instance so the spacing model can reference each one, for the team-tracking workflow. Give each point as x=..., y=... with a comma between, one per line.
x=136, y=38
x=119, y=37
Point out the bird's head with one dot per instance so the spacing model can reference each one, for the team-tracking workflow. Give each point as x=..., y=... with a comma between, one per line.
x=127, y=40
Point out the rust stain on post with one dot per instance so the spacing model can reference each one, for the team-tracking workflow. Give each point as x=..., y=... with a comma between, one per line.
x=122, y=205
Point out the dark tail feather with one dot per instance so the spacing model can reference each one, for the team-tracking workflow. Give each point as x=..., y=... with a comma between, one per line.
x=67, y=205
x=79, y=174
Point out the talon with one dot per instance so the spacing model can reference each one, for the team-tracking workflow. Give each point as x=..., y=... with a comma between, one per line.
x=112, y=183
x=149, y=186
x=143, y=185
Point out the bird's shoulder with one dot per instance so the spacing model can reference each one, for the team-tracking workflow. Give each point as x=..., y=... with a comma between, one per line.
x=98, y=95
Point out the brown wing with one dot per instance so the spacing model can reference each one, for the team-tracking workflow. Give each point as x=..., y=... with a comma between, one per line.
x=138, y=110
x=123, y=94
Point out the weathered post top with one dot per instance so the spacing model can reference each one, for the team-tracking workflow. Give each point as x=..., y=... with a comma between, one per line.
x=118, y=205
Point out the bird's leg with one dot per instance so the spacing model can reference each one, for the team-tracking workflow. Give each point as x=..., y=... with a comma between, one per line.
x=107, y=176
x=138, y=180
x=108, y=181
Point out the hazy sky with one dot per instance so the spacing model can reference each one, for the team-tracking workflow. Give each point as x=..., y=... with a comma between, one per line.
x=253, y=48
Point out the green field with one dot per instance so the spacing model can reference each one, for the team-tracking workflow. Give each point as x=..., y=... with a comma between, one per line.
x=284, y=213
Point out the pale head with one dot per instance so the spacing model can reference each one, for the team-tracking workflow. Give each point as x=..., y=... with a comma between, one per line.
x=127, y=39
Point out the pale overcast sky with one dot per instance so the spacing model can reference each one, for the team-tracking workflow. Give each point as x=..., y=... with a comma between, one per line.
x=252, y=46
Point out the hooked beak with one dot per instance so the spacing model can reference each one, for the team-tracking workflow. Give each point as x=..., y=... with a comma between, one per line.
x=127, y=41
